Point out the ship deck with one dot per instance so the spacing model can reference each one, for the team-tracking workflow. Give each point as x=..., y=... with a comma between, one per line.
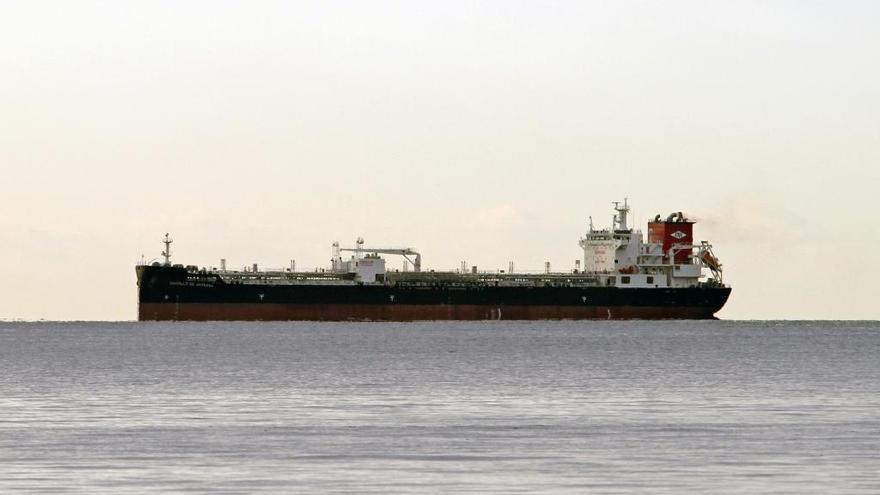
x=431, y=278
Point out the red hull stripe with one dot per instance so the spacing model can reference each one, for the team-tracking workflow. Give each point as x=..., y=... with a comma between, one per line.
x=408, y=312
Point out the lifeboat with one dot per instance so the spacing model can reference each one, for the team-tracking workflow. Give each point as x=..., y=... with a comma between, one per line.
x=710, y=261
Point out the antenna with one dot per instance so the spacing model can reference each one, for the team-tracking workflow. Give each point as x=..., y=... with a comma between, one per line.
x=619, y=221
x=167, y=253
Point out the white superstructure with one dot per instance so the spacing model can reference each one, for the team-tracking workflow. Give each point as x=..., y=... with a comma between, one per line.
x=670, y=258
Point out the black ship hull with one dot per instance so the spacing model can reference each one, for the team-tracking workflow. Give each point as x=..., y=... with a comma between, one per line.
x=171, y=293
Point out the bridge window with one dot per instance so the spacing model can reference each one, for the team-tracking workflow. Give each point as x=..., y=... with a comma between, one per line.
x=624, y=280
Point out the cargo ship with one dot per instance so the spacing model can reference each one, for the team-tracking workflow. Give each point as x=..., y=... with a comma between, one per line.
x=623, y=276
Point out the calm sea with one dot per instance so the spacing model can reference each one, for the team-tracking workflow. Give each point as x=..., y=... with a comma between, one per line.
x=500, y=407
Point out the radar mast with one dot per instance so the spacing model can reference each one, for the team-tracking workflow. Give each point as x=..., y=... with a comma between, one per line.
x=620, y=218
x=167, y=252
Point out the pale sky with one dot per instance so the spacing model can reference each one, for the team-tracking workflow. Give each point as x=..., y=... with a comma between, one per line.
x=478, y=131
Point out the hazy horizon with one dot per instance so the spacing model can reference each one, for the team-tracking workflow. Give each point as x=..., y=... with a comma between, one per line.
x=488, y=132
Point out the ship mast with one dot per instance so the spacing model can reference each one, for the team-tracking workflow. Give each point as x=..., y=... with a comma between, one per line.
x=167, y=252
x=620, y=218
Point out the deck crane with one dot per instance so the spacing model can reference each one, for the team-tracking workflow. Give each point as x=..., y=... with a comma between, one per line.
x=405, y=252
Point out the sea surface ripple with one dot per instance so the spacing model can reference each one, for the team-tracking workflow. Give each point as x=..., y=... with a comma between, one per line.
x=440, y=407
